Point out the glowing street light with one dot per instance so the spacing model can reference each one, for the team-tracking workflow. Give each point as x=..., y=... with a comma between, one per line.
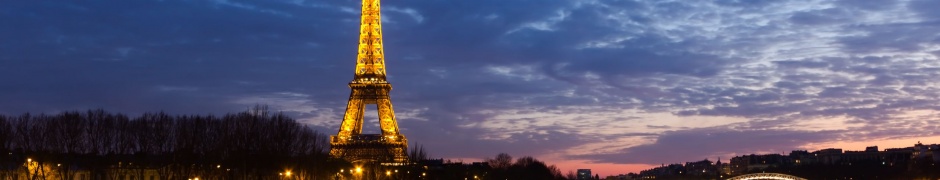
x=358, y=169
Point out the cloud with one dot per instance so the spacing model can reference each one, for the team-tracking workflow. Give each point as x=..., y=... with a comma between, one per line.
x=708, y=143
x=606, y=81
x=415, y=15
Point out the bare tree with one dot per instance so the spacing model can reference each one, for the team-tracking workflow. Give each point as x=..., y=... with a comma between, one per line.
x=417, y=154
x=6, y=133
x=502, y=161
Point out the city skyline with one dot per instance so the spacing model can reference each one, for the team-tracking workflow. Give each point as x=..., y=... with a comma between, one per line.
x=612, y=86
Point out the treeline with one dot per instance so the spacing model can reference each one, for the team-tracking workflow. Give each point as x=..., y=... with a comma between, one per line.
x=525, y=167
x=254, y=143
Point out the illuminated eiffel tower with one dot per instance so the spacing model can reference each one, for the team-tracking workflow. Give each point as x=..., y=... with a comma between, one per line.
x=370, y=87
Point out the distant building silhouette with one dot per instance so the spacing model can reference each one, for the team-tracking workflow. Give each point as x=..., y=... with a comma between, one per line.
x=585, y=174
x=919, y=159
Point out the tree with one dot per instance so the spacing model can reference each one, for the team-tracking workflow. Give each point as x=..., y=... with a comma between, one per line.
x=417, y=154
x=502, y=161
x=528, y=167
x=6, y=133
x=571, y=175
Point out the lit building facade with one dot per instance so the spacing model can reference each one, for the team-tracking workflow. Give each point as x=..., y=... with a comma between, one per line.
x=585, y=174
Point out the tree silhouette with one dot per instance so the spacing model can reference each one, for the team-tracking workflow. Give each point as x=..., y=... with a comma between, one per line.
x=247, y=145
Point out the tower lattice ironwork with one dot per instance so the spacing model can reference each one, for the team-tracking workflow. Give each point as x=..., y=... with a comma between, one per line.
x=369, y=86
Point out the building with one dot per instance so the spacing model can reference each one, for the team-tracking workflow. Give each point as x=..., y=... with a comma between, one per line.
x=585, y=174
x=663, y=171
x=828, y=156
x=918, y=158
x=703, y=168
x=871, y=154
x=800, y=157
x=927, y=153
x=749, y=163
x=724, y=169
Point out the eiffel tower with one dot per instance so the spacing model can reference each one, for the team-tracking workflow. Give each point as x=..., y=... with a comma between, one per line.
x=369, y=87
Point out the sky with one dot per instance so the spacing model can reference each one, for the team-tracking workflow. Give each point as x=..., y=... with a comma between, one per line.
x=616, y=86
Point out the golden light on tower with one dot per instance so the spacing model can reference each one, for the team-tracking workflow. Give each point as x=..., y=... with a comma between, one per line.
x=369, y=86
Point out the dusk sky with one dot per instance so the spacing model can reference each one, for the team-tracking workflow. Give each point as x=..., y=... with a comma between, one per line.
x=616, y=86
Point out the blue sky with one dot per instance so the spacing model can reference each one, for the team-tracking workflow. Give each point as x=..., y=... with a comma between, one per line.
x=616, y=85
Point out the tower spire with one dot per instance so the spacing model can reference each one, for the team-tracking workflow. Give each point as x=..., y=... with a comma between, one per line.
x=371, y=59
x=369, y=86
